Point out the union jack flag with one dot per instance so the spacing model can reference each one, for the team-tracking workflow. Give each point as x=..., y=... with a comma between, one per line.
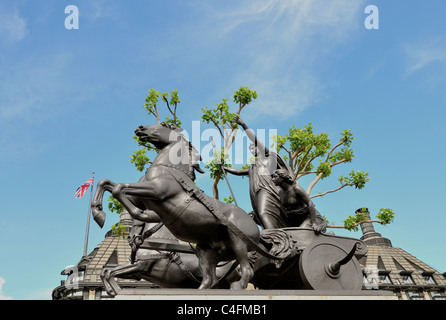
x=83, y=188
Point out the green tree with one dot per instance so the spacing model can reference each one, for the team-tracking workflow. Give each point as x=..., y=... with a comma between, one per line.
x=223, y=120
x=115, y=206
x=139, y=157
x=384, y=216
x=309, y=153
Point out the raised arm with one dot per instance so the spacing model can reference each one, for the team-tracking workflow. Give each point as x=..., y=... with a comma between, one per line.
x=250, y=134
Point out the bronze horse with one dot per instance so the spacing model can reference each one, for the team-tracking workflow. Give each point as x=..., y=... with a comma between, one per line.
x=168, y=190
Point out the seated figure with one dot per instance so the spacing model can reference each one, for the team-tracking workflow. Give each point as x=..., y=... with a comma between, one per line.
x=296, y=205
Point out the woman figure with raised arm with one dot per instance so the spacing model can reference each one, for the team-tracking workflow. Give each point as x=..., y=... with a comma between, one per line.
x=265, y=198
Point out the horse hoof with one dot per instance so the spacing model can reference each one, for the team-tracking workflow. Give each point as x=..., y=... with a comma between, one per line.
x=208, y=285
x=236, y=286
x=99, y=217
x=111, y=293
x=103, y=274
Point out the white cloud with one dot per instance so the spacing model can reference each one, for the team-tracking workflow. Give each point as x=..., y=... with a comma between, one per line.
x=289, y=20
x=288, y=43
x=287, y=97
x=38, y=88
x=291, y=16
x=424, y=53
x=100, y=9
x=12, y=26
x=2, y=297
x=29, y=85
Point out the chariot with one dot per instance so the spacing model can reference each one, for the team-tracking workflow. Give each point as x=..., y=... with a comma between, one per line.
x=318, y=261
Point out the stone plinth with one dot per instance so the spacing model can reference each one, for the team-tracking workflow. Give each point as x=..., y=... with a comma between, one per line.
x=191, y=294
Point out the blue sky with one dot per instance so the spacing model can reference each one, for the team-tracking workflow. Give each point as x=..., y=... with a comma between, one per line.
x=70, y=100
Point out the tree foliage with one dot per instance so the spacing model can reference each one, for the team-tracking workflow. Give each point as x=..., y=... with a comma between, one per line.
x=384, y=216
x=115, y=206
x=311, y=153
x=223, y=121
x=139, y=157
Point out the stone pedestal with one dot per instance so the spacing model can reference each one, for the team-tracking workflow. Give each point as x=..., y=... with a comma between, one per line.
x=193, y=295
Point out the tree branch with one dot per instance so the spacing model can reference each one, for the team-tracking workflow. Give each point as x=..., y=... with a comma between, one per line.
x=175, y=113
x=331, y=191
x=240, y=108
x=310, y=187
x=332, y=149
x=337, y=162
x=168, y=106
x=303, y=158
x=286, y=150
x=234, y=130
x=307, y=163
x=156, y=114
x=300, y=175
x=231, y=141
x=354, y=225
x=217, y=126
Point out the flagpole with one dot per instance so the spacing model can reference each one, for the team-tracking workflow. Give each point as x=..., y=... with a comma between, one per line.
x=88, y=220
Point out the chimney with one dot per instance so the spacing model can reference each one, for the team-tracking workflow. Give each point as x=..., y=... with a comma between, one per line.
x=370, y=236
x=126, y=218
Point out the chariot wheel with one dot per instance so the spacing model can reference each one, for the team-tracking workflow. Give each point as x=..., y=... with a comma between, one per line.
x=330, y=266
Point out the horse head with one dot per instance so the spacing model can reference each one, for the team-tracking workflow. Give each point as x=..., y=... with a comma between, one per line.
x=166, y=134
x=159, y=135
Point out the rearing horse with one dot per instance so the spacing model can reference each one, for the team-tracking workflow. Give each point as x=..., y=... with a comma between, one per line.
x=167, y=189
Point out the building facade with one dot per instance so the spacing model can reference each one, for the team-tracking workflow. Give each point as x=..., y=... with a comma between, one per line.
x=83, y=280
x=388, y=268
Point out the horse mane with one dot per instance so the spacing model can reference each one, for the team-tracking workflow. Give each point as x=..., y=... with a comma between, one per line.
x=194, y=156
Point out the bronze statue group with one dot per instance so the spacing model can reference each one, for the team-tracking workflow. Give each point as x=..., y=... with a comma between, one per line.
x=167, y=199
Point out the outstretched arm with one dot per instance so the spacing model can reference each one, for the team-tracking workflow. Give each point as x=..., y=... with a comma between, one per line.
x=237, y=172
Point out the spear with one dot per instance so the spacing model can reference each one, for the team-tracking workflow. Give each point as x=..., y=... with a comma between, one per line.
x=88, y=218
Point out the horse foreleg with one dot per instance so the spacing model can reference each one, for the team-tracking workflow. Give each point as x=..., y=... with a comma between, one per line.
x=96, y=205
x=105, y=276
x=123, y=192
x=125, y=271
